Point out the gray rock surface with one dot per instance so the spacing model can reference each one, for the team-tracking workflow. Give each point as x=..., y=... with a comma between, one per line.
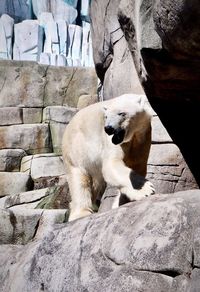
x=141, y=246
x=35, y=85
x=112, y=57
x=32, y=138
x=58, y=117
x=10, y=159
x=14, y=182
x=163, y=37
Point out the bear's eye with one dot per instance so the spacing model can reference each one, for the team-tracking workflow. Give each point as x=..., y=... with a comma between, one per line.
x=122, y=114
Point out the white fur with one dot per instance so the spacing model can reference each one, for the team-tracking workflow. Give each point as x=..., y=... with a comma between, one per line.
x=92, y=160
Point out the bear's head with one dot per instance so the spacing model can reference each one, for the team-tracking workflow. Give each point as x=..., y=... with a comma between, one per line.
x=124, y=116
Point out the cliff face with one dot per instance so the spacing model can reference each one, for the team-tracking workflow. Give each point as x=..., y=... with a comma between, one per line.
x=163, y=39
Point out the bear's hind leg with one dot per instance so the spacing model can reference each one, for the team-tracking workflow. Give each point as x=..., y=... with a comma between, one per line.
x=80, y=192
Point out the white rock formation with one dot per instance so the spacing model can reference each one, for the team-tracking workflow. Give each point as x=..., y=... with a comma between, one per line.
x=26, y=40
x=6, y=36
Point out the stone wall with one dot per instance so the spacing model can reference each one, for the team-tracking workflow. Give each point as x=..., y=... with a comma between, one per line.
x=53, y=32
x=36, y=103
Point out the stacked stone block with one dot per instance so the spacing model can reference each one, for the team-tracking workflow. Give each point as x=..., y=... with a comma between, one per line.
x=36, y=103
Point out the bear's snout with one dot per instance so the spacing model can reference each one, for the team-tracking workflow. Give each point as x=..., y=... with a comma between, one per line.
x=109, y=130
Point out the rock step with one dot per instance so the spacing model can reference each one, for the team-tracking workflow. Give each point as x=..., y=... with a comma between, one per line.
x=32, y=138
x=44, y=169
x=14, y=182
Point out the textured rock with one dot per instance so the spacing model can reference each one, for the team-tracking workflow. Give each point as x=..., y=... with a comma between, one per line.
x=112, y=57
x=6, y=36
x=27, y=81
x=87, y=53
x=86, y=99
x=142, y=246
x=10, y=116
x=21, y=227
x=14, y=182
x=27, y=40
x=66, y=85
x=74, y=45
x=35, y=85
x=163, y=37
x=10, y=159
x=32, y=115
x=45, y=169
x=159, y=133
x=33, y=138
x=16, y=115
x=24, y=200
x=46, y=165
x=167, y=169
x=56, y=197
x=57, y=117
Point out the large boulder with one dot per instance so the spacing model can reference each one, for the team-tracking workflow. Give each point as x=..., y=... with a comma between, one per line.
x=151, y=245
x=113, y=61
x=163, y=39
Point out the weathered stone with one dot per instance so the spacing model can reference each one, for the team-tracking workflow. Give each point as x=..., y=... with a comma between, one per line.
x=74, y=44
x=10, y=159
x=51, y=44
x=112, y=57
x=44, y=59
x=56, y=197
x=28, y=200
x=26, y=164
x=71, y=83
x=32, y=115
x=10, y=116
x=86, y=99
x=6, y=36
x=85, y=44
x=159, y=133
x=58, y=117
x=18, y=228
x=46, y=165
x=63, y=35
x=61, y=60
x=163, y=37
x=3, y=44
x=14, y=182
x=142, y=246
x=33, y=138
x=27, y=81
x=26, y=40
x=167, y=169
x=46, y=170
x=16, y=115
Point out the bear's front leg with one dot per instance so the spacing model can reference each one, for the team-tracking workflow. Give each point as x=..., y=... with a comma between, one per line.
x=117, y=174
x=80, y=192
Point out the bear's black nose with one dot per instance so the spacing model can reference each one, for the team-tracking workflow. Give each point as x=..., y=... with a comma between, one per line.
x=109, y=130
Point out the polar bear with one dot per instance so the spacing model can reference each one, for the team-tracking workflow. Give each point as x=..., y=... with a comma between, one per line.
x=107, y=143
